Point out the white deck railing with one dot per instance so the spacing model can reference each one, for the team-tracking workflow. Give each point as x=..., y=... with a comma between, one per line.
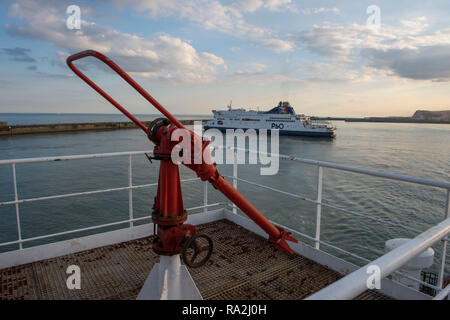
x=318, y=202
x=17, y=201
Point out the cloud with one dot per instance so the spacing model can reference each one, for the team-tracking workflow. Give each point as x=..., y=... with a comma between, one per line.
x=209, y=14
x=275, y=5
x=333, y=10
x=308, y=11
x=333, y=72
x=277, y=45
x=162, y=56
x=271, y=5
x=212, y=15
x=19, y=54
x=254, y=69
x=249, y=5
x=423, y=63
x=407, y=52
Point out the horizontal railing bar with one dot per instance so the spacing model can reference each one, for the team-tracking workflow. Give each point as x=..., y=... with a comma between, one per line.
x=76, y=194
x=320, y=241
x=372, y=218
x=355, y=283
x=274, y=189
x=392, y=176
x=90, y=228
x=314, y=240
x=387, y=175
x=445, y=292
x=330, y=206
x=73, y=157
x=207, y=206
x=418, y=281
x=354, y=255
x=349, y=253
x=74, y=231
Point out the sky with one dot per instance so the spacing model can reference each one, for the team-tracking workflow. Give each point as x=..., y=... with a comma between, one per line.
x=327, y=58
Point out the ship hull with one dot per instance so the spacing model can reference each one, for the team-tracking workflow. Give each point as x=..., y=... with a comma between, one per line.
x=305, y=133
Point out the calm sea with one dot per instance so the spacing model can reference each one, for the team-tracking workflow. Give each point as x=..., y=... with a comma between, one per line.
x=50, y=118
x=420, y=150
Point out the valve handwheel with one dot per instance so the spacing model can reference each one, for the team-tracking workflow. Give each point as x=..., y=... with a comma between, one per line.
x=197, y=250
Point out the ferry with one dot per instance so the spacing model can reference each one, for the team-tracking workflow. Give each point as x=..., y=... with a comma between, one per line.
x=281, y=117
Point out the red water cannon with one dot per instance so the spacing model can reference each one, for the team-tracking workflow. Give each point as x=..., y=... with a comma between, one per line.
x=169, y=215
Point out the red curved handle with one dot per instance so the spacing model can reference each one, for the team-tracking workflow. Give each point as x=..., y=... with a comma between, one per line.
x=127, y=78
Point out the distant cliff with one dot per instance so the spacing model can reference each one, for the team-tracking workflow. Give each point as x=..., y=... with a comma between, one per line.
x=420, y=116
x=439, y=116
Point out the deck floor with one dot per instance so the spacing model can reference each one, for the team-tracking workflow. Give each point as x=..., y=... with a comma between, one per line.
x=242, y=266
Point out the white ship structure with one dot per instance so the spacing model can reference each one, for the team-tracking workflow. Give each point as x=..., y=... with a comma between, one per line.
x=282, y=118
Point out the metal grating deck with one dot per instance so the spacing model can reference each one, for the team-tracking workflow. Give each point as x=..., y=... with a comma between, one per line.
x=243, y=266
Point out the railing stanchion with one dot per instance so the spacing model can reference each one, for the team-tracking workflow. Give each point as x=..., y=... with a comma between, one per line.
x=205, y=196
x=444, y=246
x=235, y=175
x=319, y=205
x=130, y=191
x=16, y=198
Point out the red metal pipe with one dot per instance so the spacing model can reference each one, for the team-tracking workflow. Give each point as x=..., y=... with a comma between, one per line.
x=127, y=78
x=207, y=172
x=238, y=199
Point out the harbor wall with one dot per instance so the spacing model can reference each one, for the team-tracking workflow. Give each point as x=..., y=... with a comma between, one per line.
x=71, y=127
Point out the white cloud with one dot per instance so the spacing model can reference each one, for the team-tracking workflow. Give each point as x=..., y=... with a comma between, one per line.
x=333, y=10
x=277, y=45
x=407, y=52
x=415, y=26
x=308, y=11
x=271, y=5
x=210, y=14
x=275, y=5
x=254, y=69
x=161, y=56
x=334, y=72
x=213, y=15
x=249, y=5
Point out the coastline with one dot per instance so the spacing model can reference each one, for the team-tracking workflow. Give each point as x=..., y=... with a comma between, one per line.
x=72, y=127
x=381, y=119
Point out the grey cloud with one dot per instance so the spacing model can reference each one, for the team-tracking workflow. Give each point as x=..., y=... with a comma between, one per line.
x=403, y=52
x=19, y=54
x=329, y=42
x=423, y=63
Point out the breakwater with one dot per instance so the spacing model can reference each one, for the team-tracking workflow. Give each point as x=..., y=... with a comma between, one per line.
x=71, y=127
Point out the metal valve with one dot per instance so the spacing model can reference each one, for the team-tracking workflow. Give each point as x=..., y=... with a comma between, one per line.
x=197, y=250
